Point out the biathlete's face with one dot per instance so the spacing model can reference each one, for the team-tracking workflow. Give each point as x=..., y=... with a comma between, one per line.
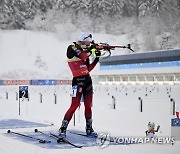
x=85, y=43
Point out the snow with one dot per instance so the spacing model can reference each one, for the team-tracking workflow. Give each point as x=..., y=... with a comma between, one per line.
x=125, y=120
x=27, y=46
x=38, y=55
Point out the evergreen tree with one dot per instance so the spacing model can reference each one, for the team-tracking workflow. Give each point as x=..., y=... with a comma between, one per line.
x=13, y=13
x=2, y=10
x=116, y=7
x=160, y=7
x=146, y=8
x=178, y=6
x=99, y=8
x=31, y=9
x=63, y=4
x=133, y=7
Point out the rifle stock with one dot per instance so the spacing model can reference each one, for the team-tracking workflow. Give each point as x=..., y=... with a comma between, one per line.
x=105, y=46
x=108, y=48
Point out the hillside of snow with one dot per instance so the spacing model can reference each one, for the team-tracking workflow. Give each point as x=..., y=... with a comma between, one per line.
x=31, y=55
x=42, y=55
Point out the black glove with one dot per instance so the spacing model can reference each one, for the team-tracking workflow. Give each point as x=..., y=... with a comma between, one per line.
x=97, y=53
x=90, y=48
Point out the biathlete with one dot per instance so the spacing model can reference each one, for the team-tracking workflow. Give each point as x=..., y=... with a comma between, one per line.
x=80, y=66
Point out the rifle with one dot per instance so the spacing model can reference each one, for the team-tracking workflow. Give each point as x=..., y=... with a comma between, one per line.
x=105, y=48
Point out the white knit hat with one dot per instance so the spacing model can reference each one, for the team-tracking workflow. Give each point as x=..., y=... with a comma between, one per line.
x=85, y=36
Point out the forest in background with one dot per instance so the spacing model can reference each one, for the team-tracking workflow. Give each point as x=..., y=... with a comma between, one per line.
x=150, y=18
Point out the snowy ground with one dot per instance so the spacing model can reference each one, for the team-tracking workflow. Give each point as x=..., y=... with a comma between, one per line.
x=40, y=55
x=125, y=120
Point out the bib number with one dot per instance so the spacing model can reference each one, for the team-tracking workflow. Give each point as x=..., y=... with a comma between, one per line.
x=74, y=91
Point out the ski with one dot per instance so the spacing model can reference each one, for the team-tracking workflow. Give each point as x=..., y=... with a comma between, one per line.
x=65, y=140
x=58, y=139
x=102, y=138
x=81, y=134
x=30, y=137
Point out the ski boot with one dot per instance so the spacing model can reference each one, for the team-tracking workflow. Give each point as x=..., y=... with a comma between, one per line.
x=89, y=130
x=62, y=129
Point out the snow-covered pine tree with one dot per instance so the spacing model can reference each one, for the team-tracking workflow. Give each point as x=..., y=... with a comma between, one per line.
x=178, y=6
x=31, y=9
x=99, y=11
x=13, y=13
x=114, y=16
x=82, y=19
x=160, y=7
x=60, y=4
x=2, y=11
x=78, y=5
x=133, y=7
x=99, y=8
x=146, y=7
x=116, y=7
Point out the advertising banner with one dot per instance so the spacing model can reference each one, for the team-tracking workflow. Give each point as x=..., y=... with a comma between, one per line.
x=16, y=82
x=43, y=82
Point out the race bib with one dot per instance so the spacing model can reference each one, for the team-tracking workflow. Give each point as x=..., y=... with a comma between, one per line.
x=74, y=91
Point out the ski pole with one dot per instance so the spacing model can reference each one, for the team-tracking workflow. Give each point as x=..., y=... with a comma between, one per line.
x=49, y=135
x=27, y=136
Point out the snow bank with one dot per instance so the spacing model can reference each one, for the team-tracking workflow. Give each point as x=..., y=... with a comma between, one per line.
x=42, y=55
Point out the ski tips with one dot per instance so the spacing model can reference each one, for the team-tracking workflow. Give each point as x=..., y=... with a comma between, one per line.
x=44, y=141
x=8, y=131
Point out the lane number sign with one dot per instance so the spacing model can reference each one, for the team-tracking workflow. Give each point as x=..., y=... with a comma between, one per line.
x=23, y=91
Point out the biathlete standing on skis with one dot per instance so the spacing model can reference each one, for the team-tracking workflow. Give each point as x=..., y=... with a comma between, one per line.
x=79, y=63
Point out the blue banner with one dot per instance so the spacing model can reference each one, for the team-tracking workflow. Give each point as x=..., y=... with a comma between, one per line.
x=175, y=122
x=43, y=82
x=1, y=82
